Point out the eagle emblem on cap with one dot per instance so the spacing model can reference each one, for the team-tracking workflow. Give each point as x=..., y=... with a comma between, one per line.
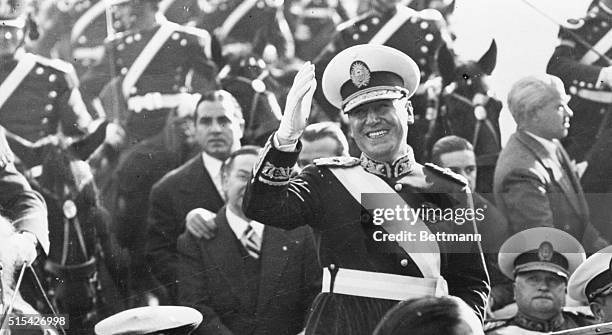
x=545, y=251
x=360, y=74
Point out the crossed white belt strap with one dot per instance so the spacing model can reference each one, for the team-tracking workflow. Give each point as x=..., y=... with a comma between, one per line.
x=357, y=181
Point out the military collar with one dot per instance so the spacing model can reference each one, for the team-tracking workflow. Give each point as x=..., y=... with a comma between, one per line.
x=526, y=322
x=399, y=167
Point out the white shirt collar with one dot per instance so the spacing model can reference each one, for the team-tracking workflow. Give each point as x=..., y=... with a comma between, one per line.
x=213, y=166
x=549, y=145
x=239, y=225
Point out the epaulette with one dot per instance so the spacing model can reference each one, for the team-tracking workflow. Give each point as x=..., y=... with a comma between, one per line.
x=446, y=174
x=351, y=22
x=430, y=14
x=60, y=66
x=490, y=325
x=574, y=24
x=337, y=161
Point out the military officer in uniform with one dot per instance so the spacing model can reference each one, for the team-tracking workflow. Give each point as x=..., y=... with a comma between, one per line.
x=591, y=284
x=539, y=261
x=248, y=26
x=372, y=85
x=155, y=64
x=582, y=61
x=418, y=34
x=38, y=96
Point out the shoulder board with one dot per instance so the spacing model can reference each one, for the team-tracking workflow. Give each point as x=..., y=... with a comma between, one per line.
x=494, y=324
x=351, y=22
x=60, y=66
x=337, y=161
x=446, y=174
x=574, y=23
x=430, y=14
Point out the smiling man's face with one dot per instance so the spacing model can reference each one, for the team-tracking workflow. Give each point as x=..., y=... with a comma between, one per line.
x=539, y=294
x=380, y=128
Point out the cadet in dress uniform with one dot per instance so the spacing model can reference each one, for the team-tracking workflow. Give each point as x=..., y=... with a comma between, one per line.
x=582, y=61
x=418, y=34
x=372, y=84
x=248, y=25
x=591, y=284
x=169, y=320
x=539, y=261
x=155, y=64
x=38, y=95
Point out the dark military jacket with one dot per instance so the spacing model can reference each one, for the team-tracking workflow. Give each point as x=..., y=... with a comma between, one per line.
x=522, y=324
x=38, y=96
x=344, y=231
x=579, y=69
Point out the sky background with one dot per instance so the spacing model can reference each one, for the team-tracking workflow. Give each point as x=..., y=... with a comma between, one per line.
x=525, y=39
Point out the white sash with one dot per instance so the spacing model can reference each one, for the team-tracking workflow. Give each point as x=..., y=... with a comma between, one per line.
x=86, y=19
x=12, y=81
x=401, y=16
x=600, y=48
x=146, y=56
x=357, y=181
x=234, y=17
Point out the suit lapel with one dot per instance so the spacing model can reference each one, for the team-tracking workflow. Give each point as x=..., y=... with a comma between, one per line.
x=554, y=167
x=224, y=251
x=206, y=192
x=575, y=181
x=276, y=248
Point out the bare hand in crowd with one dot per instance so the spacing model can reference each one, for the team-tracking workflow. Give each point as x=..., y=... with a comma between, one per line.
x=25, y=243
x=200, y=222
x=115, y=135
x=297, y=108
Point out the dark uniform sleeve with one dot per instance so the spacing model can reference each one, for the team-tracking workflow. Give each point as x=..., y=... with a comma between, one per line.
x=94, y=80
x=192, y=287
x=274, y=199
x=24, y=206
x=311, y=272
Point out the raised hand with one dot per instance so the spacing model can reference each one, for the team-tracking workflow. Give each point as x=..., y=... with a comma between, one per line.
x=297, y=108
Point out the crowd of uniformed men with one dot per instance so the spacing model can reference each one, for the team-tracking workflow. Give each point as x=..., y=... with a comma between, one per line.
x=238, y=151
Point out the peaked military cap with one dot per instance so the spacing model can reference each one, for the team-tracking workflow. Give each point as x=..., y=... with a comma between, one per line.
x=368, y=72
x=543, y=249
x=593, y=278
x=151, y=320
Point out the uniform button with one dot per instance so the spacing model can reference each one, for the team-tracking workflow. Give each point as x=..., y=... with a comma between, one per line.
x=284, y=248
x=424, y=49
x=363, y=28
x=129, y=40
x=133, y=90
x=175, y=87
x=589, y=85
x=414, y=19
x=429, y=37
x=82, y=39
x=424, y=25
x=422, y=61
x=52, y=78
x=573, y=90
x=595, y=29
x=404, y=262
x=375, y=20
x=137, y=37
x=575, y=82
x=120, y=47
x=40, y=70
x=581, y=84
x=183, y=42
x=175, y=36
x=604, y=24
x=124, y=70
x=261, y=4
x=398, y=187
x=222, y=6
x=332, y=266
x=422, y=74
x=567, y=227
x=52, y=94
x=48, y=107
x=44, y=121
x=355, y=36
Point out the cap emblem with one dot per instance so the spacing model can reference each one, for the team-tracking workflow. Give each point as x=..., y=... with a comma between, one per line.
x=545, y=252
x=360, y=74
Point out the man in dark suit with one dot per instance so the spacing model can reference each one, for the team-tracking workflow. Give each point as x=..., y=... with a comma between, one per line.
x=195, y=184
x=535, y=182
x=248, y=279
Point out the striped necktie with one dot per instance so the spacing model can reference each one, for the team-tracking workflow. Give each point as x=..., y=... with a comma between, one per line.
x=251, y=242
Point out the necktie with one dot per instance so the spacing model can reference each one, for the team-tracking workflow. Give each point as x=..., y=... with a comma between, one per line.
x=251, y=242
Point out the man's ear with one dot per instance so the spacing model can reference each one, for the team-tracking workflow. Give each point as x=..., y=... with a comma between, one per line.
x=597, y=311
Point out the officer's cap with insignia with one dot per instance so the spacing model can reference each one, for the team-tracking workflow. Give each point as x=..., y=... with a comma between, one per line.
x=151, y=320
x=543, y=249
x=593, y=278
x=366, y=73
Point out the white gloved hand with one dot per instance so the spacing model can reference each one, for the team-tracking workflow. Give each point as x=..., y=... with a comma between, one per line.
x=297, y=108
x=200, y=222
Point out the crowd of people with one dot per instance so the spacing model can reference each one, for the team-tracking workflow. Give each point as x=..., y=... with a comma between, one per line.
x=296, y=167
